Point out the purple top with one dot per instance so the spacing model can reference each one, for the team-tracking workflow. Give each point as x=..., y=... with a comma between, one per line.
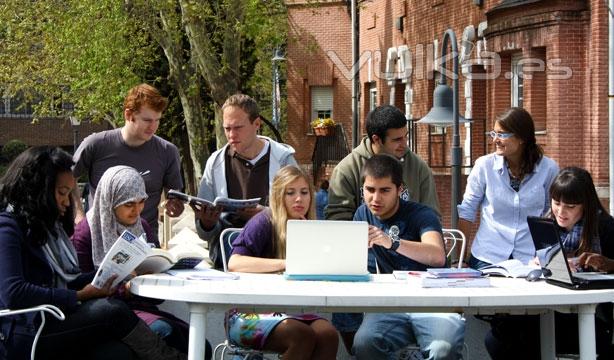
x=82, y=240
x=256, y=239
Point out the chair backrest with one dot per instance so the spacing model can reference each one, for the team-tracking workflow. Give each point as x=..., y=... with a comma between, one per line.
x=53, y=310
x=453, y=238
x=226, y=238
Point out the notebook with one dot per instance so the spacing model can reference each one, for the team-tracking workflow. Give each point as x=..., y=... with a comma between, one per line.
x=327, y=250
x=562, y=274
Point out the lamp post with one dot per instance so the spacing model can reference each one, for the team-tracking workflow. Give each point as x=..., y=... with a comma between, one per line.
x=276, y=97
x=75, y=122
x=445, y=113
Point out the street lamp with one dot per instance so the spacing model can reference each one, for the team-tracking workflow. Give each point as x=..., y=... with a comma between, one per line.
x=75, y=122
x=275, y=118
x=445, y=113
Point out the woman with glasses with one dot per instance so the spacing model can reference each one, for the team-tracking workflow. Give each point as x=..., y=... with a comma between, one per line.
x=507, y=186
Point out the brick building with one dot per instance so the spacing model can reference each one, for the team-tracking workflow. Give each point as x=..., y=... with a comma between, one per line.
x=548, y=56
x=45, y=131
x=18, y=123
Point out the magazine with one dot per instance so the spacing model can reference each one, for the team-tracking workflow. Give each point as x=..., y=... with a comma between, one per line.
x=509, y=268
x=130, y=253
x=127, y=252
x=226, y=204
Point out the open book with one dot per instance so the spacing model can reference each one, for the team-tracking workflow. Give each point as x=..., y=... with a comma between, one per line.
x=183, y=256
x=509, y=268
x=228, y=205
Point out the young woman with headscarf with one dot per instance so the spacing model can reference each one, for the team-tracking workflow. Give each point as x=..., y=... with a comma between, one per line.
x=118, y=202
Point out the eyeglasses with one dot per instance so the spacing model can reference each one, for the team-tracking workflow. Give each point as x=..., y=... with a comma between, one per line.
x=501, y=135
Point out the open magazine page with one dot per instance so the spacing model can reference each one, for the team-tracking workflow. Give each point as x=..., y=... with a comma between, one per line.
x=123, y=257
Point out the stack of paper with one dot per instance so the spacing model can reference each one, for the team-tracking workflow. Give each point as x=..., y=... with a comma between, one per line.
x=440, y=278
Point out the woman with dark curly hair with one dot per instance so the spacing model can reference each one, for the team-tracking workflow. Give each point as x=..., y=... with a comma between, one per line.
x=38, y=265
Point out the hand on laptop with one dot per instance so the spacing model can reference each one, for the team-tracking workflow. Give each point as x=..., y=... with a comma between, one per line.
x=596, y=262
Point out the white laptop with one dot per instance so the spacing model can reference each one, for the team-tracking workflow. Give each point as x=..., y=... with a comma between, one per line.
x=327, y=250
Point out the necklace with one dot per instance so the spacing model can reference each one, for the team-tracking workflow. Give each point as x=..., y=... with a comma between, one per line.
x=509, y=170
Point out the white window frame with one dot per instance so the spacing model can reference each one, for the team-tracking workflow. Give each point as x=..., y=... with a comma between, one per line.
x=517, y=81
x=321, y=103
x=372, y=96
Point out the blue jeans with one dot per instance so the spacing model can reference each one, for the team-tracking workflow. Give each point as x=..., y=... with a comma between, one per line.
x=439, y=335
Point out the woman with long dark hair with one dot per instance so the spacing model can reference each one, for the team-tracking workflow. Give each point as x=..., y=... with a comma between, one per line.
x=507, y=186
x=587, y=234
x=38, y=265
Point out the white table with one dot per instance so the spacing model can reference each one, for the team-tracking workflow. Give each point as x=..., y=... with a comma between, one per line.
x=259, y=292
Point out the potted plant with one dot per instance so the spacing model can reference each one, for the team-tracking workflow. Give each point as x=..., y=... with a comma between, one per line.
x=323, y=126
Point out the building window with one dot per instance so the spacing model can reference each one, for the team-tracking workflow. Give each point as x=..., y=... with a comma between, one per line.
x=321, y=102
x=517, y=81
x=372, y=96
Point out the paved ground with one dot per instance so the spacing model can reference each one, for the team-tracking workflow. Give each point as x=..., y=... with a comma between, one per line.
x=475, y=329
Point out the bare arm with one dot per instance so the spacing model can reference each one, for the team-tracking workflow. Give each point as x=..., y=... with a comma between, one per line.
x=429, y=250
x=243, y=263
x=466, y=227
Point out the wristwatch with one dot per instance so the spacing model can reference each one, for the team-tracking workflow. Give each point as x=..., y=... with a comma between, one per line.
x=395, y=242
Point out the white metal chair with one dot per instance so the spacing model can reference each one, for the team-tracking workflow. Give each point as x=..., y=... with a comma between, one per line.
x=226, y=348
x=42, y=309
x=451, y=238
x=227, y=236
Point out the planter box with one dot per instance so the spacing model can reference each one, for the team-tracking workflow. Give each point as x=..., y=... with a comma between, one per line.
x=324, y=131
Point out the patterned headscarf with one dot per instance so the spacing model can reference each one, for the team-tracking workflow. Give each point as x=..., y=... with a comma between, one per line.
x=119, y=185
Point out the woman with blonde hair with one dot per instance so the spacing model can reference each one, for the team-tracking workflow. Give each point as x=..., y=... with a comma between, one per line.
x=261, y=248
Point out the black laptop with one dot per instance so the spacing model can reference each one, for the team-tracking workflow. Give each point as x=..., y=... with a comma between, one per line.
x=559, y=265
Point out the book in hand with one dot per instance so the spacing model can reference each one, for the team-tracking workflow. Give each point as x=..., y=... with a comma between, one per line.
x=226, y=204
x=454, y=273
x=127, y=252
x=182, y=256
x=509, y=268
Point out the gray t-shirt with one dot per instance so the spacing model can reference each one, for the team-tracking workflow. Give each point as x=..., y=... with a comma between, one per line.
x=157, y=160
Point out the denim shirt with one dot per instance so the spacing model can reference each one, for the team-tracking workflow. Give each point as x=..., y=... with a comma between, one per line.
x=503, y=231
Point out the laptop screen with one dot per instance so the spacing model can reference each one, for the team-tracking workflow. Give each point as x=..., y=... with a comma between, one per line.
x=559, y=268
x=327, y=247
x=543, y=232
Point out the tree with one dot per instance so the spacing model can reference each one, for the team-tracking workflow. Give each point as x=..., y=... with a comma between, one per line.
x=89, y=52
x=86, y=53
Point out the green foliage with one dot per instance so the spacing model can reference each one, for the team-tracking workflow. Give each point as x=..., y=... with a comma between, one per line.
x=12, y=149
x=84, y=52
